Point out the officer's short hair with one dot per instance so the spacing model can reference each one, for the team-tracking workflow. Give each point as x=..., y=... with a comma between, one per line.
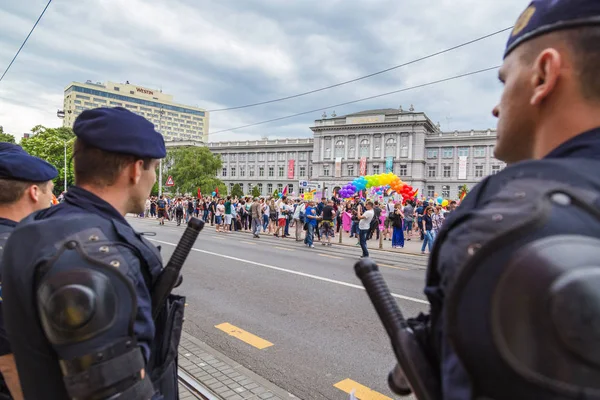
x=583, y=43
x=11, y=190
x=97, y=167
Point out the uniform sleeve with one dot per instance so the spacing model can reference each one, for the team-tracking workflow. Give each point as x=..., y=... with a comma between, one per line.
x=143, y=327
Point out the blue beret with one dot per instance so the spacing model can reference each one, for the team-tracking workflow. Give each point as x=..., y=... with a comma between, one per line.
x=118, y=130
x=16, y=164
x=545, y=16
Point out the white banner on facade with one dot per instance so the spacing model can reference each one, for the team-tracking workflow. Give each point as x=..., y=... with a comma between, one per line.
x=462, y=167
x=338, y=167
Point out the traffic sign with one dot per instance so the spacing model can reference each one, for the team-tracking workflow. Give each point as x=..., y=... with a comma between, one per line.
x=170, y=181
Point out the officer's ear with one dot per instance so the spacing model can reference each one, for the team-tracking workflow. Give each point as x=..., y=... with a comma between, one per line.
x=545, y=74
x=136, y=170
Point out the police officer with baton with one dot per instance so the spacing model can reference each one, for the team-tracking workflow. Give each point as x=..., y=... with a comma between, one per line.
x=514, y=276
x=25, y=186
x=79, y=281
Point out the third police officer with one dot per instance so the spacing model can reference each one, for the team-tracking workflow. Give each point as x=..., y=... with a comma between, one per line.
x=78, y=278
x=25, y=186
x=514, y=275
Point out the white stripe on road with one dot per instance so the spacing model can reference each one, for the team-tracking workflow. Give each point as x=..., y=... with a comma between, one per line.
x=289, y=271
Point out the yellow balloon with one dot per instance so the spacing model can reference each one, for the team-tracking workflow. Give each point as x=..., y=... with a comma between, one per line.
x=444, y=203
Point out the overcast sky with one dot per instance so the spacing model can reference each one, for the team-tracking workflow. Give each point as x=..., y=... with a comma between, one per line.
x=216, y=54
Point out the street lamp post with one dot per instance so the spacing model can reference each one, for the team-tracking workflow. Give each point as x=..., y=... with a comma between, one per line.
x=65, y=165
x=61, y=114
x=160, y=165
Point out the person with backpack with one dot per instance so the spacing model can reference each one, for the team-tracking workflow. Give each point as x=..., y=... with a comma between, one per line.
x=161, y=208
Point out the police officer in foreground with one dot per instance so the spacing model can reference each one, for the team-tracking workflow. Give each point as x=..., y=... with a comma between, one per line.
x=25, y=186
x=77, y=276
x=514, y=276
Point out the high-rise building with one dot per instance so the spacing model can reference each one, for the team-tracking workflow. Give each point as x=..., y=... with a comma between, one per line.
x=175, y=121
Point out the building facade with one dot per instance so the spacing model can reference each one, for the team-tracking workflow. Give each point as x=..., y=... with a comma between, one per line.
x=406, y=143
x=175, y=121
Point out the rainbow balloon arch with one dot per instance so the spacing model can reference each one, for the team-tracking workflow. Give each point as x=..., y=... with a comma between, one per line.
x=379, y=180
x=379, y=184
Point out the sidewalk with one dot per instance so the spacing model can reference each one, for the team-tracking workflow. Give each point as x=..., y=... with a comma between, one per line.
x=222, y=376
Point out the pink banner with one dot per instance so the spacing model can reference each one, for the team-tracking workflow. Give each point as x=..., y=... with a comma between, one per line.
x=290, y=169
x=363, y=166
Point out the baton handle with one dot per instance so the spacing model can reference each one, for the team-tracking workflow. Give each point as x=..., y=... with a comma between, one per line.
x=379, y=293
x=169, y=277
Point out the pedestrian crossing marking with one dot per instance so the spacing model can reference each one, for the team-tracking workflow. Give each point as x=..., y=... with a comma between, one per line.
x=360, y=392
x=244, y=336
x=327, y=255
x=218, y=237
x=243, y=241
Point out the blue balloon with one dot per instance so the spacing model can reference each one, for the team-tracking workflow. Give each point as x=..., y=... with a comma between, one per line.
x=214, y=193
x=439, y=200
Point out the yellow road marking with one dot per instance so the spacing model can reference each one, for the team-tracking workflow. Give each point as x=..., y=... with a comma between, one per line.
x=283, y=248
x=244, y=241
x=361, y=392
x=327, y=255
x=391, y=266
x=244, y=336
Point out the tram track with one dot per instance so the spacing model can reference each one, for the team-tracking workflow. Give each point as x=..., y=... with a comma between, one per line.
x=194, y=386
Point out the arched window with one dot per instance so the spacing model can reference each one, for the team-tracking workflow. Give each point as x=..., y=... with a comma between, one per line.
x=364, y=148
x=390, y=147
x=377, y=152
x=339, y=148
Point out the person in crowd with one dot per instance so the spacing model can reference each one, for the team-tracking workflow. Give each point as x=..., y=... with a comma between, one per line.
x=219, y=213
x=311, y=223
x=364, y=226
x=161, y=209
x=427, y=228
x=397, y=222
x=327, y=216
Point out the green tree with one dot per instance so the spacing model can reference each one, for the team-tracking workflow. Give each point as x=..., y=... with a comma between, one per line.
x=255, y=192
x=49, y=144
x=193, y=168
x=237, y=191
x=6, y=137
x=276, y=193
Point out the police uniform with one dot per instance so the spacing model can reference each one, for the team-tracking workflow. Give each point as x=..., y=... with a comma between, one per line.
x=78, y=305
x=514, y=275
x=16, y=164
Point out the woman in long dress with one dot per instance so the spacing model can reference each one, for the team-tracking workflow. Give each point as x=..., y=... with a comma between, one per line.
x=347, y=218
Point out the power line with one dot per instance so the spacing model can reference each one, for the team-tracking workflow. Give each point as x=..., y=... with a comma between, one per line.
x=359, y=100
x=365, y=76
x=25, y=41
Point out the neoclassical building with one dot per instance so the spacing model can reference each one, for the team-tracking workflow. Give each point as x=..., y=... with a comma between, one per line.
x=406, y=143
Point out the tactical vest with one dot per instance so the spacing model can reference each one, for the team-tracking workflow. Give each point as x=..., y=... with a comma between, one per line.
x=101, y=240
x=5, y=232
x=522, y=310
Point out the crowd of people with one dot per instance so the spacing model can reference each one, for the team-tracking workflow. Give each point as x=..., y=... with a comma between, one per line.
x=363, y=219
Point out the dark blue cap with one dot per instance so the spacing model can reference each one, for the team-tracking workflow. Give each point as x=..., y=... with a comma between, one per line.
x=545, y=16
x=17, y=164
x=118, y=130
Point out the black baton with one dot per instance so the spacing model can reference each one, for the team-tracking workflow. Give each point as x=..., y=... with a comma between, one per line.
x=413, y=366
x=169, y=276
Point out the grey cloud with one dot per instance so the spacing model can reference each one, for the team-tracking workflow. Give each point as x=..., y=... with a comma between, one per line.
x=229, y=53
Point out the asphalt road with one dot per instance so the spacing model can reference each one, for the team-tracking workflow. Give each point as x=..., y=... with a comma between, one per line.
x=306, y=302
